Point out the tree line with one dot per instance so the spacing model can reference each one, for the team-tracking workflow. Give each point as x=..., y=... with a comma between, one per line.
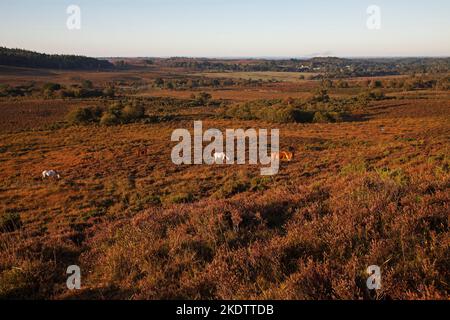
x=31, y=59
x=330, y=67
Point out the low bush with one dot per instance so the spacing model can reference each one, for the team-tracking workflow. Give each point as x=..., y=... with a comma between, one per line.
x=287, y=111
x=325, y=117
x=10, y=221
x=234, y=185
x=132, y=112
x=109, y=119
x=117, y=113
x=182, y=197
x=18, y=91
x=202, y=99
x=84, y=115
x=51, y=86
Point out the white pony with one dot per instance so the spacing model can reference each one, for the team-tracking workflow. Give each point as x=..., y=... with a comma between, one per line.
x=220, y=157
x=50, y=174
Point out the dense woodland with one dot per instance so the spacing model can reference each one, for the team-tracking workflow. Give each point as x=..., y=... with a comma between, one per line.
x=30, y=59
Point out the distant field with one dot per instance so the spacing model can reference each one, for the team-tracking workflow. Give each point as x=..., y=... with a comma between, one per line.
x=279, y=76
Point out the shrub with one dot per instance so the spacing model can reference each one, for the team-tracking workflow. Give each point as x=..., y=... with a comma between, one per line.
x=4, y=90
x=159, y=82
x=259, y=183
x=150, y=200
x=376, y=84
x=109, y=119
x=321, y=95
x=116, y=109
x=203, y=98
x=132, y=113
x=158, y=119
x=302, y=116
x=232, y=187
x=183, y=197
x=19, y=91
x=321, y=117
x=287, y=111
x=372, y=95
x=84, y=115
x=18, y=283
x=327, y=83
x=325, y=117
x=87, y=84
x=10, y=221
x=117, y=113
x=377, y=95
x=87, y=93
x=51, y=87
x=48, y=89
x=396, y=175
x=109, y=92
x=125, y=113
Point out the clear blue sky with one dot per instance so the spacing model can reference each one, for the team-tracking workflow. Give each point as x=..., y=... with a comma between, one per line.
x=228, y=28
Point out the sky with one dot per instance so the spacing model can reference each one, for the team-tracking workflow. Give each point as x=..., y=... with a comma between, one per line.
x=228, y=28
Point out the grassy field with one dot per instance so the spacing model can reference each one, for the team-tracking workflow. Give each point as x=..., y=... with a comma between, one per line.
x=263, y=75
x=373, y=190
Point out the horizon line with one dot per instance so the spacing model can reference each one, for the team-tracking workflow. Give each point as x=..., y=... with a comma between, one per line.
x=273, y=57
x=262, y=57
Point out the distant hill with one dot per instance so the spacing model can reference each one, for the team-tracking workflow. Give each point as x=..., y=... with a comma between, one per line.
x=30, y=59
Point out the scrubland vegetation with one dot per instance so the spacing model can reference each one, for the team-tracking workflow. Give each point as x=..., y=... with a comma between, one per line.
x=369, y=183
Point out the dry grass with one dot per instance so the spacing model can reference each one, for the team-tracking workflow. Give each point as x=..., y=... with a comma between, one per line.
x=375, y=191
x=24, y=114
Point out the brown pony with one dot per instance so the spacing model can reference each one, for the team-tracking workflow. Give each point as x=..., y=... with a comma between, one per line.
x=284, y=156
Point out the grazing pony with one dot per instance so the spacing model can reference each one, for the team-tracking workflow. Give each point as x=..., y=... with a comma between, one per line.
x=283, y=156
x=220, y=157
x=50, y=174
x=286, y=156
